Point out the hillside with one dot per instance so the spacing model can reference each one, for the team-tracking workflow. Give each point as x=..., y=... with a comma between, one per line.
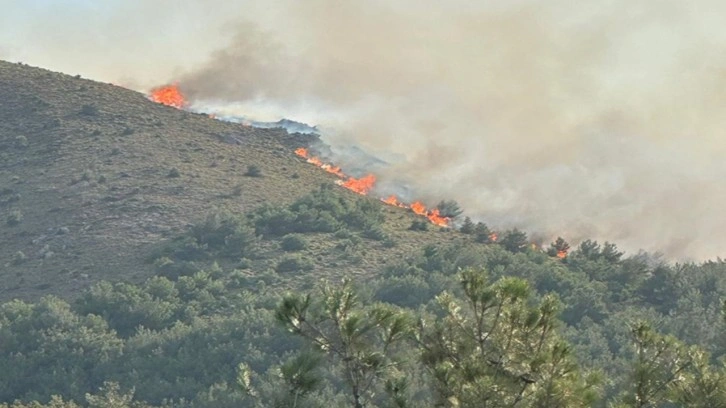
x=186, y=257
x=93, y=176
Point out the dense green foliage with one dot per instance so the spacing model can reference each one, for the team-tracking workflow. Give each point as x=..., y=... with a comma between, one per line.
x=482, y=323
x=321, y=211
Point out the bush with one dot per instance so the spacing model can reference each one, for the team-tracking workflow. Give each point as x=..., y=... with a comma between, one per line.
x=173, y=173
x=21, y=142
x=376, y=233
x=321, y=211
x=449, y=209
x=293, y=242
x=514, y=241
x=419, y=225
x=389, y=242
x=482, y=233
x=89, y=110
x=344, y=233
x=294, y=263
x=19, y=258
x=14, y=218
x=253, y=171
x=8, y=196
x=226, y=233
x=405, y=291
x=467, y=227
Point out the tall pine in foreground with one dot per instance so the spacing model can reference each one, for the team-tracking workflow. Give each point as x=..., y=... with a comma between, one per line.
x=360, y=339
x=494, y=348
x=491, y=348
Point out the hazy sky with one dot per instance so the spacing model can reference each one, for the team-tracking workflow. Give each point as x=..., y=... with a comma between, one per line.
x=599, y=119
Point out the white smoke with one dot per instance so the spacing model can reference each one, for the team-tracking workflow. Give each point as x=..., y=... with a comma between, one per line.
x=588, y=120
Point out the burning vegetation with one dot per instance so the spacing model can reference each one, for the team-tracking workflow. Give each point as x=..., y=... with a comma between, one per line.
x=441, y=215
x=169, y=95
x=365, y=184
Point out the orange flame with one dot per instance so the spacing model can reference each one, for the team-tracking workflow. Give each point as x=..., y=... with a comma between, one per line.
x=169, y=95
x=433, y=215
x=303, y=152
x=418, y=208
x=393, y=200
x=365, y=184
x=437, y=219
x=562, y=254
x=361, y=186
x=493, y=237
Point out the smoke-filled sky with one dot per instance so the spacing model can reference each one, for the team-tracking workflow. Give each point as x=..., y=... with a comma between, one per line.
x=591, y=119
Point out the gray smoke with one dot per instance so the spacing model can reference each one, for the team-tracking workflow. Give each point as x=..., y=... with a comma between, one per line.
x=586, y=119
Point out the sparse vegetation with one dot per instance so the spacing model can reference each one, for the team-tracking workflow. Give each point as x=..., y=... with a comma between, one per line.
x=325, y=210
x=467, y=227
x=253, y=171
x=225, y=234
x=202, y=331
x=15, y=217
x=89, y=110
x=449, y=208
x=173, y=173
x=19, y=258
x=514, y=240
x=293, y=242
x=419, y=225
x=21, y=142
x=375, y=232
x=294, y=263
x=482, y=233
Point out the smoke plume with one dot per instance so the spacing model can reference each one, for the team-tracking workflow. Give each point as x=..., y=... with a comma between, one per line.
x=595, y=120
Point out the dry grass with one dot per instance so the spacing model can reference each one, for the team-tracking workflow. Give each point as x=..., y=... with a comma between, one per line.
x=101, y=174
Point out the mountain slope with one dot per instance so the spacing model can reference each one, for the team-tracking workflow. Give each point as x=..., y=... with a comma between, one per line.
x=92, y=175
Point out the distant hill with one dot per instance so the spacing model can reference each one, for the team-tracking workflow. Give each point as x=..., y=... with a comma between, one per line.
x=93, y=176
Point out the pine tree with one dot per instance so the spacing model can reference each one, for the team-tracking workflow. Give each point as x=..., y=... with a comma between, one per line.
x=468, y=226
x=482, y=233
x=661, y=365
x=514, y=241
x=559, y=248
x=494, y=349
x=360, y=338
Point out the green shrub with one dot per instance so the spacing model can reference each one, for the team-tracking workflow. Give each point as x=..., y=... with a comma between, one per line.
x=389, y=242
x=253, y=171
x=346, y=244
x=323, y=210
x=449, y=209
x=406, y=291
x=19, y=258
x=173, y=270
x=419, y=225
x=8, y=196
x=482, y=233
x=226, y=233
x=293, y=242
x=173, y=173
x=467, y=227
x=344, y=233
x=514, y=241
x=89, y=110
x=294, y=263
x=21, y=142
x=14, y=218
x=376, y=233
